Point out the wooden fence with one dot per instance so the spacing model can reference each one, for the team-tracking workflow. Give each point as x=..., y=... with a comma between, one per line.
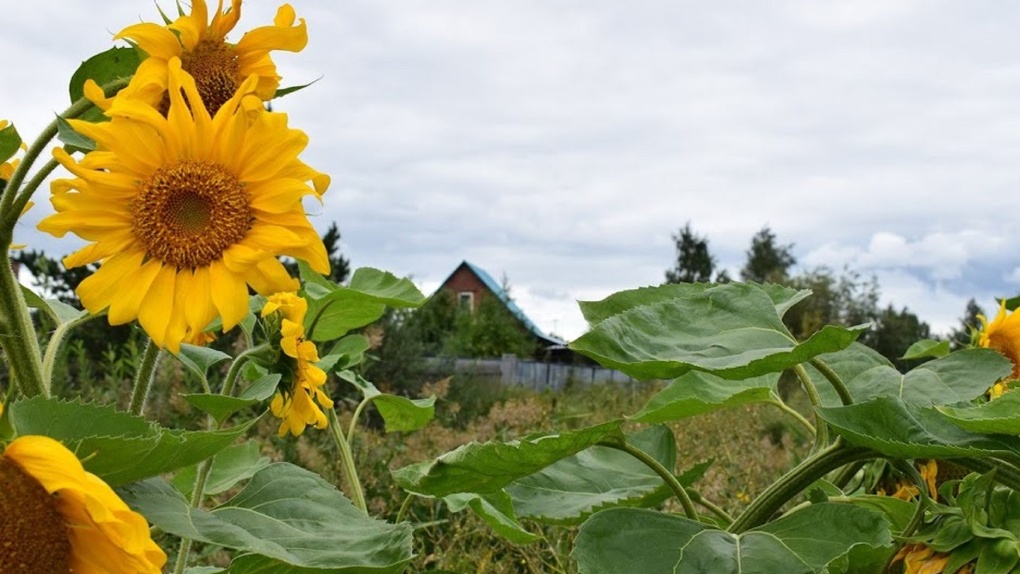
x=534, y=375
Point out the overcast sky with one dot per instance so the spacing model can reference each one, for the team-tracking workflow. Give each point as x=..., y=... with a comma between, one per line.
x=561, y=142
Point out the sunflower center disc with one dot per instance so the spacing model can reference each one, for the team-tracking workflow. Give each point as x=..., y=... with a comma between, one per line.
x=33, y=535
x=189, y=213
x=216, y=70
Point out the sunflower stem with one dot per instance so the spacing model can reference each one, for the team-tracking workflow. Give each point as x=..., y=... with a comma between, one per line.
x=664, y=473
x=354, y=420
x=347, y=461
x=821, y=428
x=834, y=379
x=796, y=480
x=781, y=405
x=143, y=378
x=18, y=338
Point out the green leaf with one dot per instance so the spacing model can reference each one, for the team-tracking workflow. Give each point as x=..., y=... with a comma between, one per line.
x=310, y=276
x=368, y=390
x=927, y=348
x=103, y=68
x=262, y=388
x=730, y=330
x=232, y=465
x=625, y=541
x=117, y=446
x=199, y=359
x=598, y=477
x=335, y=313
x=386, y=288
x=10, y=143
x=288, y=516
x=998, y=557
x=61, y=313
x=960, y=376
x=497, y=510
x=903, y=430
x=291, y=89
x=697, y=393
x=1000, y=416
x=488, y=467
x=348, y=352
x=404, y=414
x=597, y=311
x=77, y=141
x=339, y=312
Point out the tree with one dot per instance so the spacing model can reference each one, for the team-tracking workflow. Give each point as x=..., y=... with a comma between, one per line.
x=962, y=337
x=846, y=300
x=768, y=262
x=694, y=263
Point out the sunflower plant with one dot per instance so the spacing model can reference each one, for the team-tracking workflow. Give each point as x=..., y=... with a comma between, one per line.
x=188, y=190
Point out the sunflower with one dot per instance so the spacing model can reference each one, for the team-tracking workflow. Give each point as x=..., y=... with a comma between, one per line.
x=218, y=67
x=186, y=211
x=296, y=406
x=1003, y=335
x=56, y=517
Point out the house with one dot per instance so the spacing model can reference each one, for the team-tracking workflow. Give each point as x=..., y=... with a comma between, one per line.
x=469, y=285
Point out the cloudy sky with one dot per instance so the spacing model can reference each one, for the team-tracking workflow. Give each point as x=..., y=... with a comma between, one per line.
x=561, y=142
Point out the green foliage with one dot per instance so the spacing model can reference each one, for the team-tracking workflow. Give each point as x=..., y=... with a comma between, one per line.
x=963, y=335
x=285, y=516
x=491, y=331
x=730, y=330
x=696, y=393
x=118, y=447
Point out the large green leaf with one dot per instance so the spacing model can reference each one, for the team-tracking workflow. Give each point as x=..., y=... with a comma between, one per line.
x=1000, y=416
x=488, y=467
x=286, y=514
x=599, y=477
x=927, y=348
x=626, y=541
x=903, y=430
x=232, y=465
x=697, y=393
x=957, y=377
x=597, y=311
x=398, y=413
x=731, y=330
x=117, y=446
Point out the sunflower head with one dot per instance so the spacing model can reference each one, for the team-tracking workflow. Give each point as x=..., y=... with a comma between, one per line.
x=1003, y=335
x=297, y=404
x=56, y=517
x=187, y=211
x=219, y=67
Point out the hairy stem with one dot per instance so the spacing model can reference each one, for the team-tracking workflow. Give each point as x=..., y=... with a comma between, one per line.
x=821, y=429
x=796, y=480
x=781, y=405
x=17, y=333
x=143, y=377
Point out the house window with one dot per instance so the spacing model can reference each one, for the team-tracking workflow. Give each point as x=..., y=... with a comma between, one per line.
x=466, y=301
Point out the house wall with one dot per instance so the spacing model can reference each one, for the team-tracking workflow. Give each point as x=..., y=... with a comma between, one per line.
x=464, y=280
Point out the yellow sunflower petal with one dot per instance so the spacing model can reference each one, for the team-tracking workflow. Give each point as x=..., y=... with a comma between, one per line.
x=157, y=308
x=98, y=290
x=229, y=294
x=155, y=40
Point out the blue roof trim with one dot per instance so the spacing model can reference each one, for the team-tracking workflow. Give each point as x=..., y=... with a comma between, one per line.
x=498, y=290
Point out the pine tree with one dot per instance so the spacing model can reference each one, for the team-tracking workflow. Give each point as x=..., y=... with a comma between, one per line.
x=694, y=263
x=768, y=262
